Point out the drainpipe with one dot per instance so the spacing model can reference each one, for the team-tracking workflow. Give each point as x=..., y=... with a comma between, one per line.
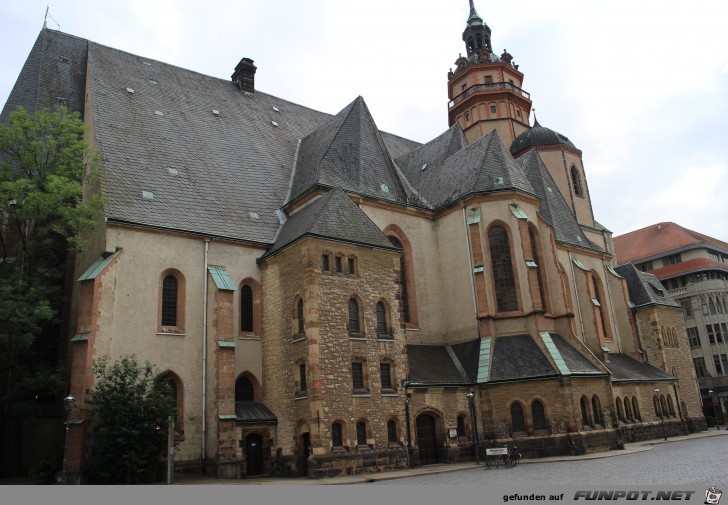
x=204, y=361
x=470, y=262
x=576, y=294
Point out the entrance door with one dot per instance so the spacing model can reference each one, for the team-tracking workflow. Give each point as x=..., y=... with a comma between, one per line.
x=253, y=455
x=427, y=439
x=305, y=447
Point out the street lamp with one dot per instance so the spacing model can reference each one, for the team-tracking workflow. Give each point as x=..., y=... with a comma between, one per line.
x=715, y=410
x=658, y=410
x=68, y=402
x=471, y=403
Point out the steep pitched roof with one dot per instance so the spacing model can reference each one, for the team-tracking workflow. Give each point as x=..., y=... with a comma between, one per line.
x=644, y=288
x=348, y=152
x=54, y=75
x=659, y=239
x=574, y=360
x=451, y=173
x=517, y=358
x=335, y=217
x=627, y=369
x=433, y=364
x=554, y=208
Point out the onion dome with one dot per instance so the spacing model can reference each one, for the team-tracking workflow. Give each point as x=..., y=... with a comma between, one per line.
x=537, y=136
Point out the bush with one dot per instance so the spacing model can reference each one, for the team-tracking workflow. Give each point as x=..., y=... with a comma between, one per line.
x=131, y=407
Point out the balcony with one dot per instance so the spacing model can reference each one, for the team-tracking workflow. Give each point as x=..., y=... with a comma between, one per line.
x=483, y=88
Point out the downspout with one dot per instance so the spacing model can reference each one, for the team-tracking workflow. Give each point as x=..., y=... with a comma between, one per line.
x=204, y=361
x=470, y=262
x=611, y=309
x=576, y=294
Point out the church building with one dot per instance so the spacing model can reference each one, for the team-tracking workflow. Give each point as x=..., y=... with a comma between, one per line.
x=337, y=299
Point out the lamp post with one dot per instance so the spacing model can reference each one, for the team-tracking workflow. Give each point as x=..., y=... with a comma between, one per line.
x=715, y=410
x=68, y=402
x=658, y=410
x=471, y=403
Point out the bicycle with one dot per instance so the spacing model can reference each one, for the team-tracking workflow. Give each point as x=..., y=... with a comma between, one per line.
x=512, y=457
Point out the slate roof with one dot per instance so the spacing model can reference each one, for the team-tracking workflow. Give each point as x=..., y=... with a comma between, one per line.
x=254, y=413
x=432, y=364
x=518, y=357
x=333, y=216
x=55, y=68
x=348, y=152
x=659, y=239
x=625, y=368
x=554, y=208
x=644, y=288
x=537, y=136
x=575, y=361
x=481, y=167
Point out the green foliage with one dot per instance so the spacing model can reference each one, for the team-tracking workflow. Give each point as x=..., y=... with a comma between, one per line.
x=45, y=471
x=44, y=166
x=131, y=406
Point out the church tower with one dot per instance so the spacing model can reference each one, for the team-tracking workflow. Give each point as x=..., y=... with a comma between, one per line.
x=485, y=90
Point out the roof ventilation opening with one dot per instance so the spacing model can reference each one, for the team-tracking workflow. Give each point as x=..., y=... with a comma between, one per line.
x=254, y=216
x=173, y=171
x=147, y=195
x=130, y=91
x=281, y=216
x=384, y=188
x=244, y=75
x=276, y=109
x=498, y=181
x=274, y=123
x=159, y=113
x=423, y=167
x=216, y=112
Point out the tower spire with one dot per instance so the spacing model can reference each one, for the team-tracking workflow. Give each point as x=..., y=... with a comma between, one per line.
x=477, y=34
x=473, y=13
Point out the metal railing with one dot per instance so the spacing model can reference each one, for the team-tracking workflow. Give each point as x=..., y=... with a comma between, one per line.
x=478, y=88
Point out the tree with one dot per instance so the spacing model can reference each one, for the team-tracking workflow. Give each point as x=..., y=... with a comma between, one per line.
x=131, y=405
x=44, y=164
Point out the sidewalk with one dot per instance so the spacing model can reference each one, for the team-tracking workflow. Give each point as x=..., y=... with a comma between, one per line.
x=632, y=448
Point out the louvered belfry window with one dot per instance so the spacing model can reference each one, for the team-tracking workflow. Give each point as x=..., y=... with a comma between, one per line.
x=169, y=301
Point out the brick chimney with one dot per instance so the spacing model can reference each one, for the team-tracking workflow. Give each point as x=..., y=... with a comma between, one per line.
x=244, y=75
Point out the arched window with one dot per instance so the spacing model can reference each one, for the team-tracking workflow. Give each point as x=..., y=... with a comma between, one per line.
x=299, y=315
x=169, y=301
x=173, y=388
x=382, y=326
x=246, y=308
x=636, y=408
x=518, y=423
x=392, y=437
x=600, y=308
x=337, y=435
x=403, y=296
x=354, y=324
x=585, y=420
x=503, y=278
x=620, y=413
x=576, y=181
x=244, y=391
x=597, y=410
x=361, y=433
x=539, y=415
x=628, y=409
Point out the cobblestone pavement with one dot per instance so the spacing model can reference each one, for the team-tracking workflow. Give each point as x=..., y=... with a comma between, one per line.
x=702, y=461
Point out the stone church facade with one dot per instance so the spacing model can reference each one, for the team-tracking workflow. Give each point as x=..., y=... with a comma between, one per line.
x=325, y=296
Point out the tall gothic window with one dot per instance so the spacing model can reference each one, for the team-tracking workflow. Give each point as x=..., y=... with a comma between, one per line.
x=585, y=421
x=244, y=390
x=518, y=422
x=299, y=314
x=539, y=415
x=503, y=278
x=576, y=182
x=361, y=433
x=354, y=326
x=337, y=435
x=246, y=308
x=404, y=302
x=539, y=267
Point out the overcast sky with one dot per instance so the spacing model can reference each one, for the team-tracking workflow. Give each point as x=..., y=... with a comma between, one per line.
x=640, y=86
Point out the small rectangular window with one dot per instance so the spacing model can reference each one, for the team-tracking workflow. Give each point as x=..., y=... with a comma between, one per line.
x=302, y=376
x=357, y=375
x=351, y=266
x=673, y=259
x=492, y=109
x=718, y=367
x=699, y=364
x=687, y=306
x=325, y=263
x=386, y=375
x=339, y=265
x=693, y=337
x=488, y=79
x=711, y=335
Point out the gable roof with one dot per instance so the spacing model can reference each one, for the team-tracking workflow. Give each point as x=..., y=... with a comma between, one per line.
x=554, y=208
x=659, y=239
x=334, y=217
x=644, y=288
